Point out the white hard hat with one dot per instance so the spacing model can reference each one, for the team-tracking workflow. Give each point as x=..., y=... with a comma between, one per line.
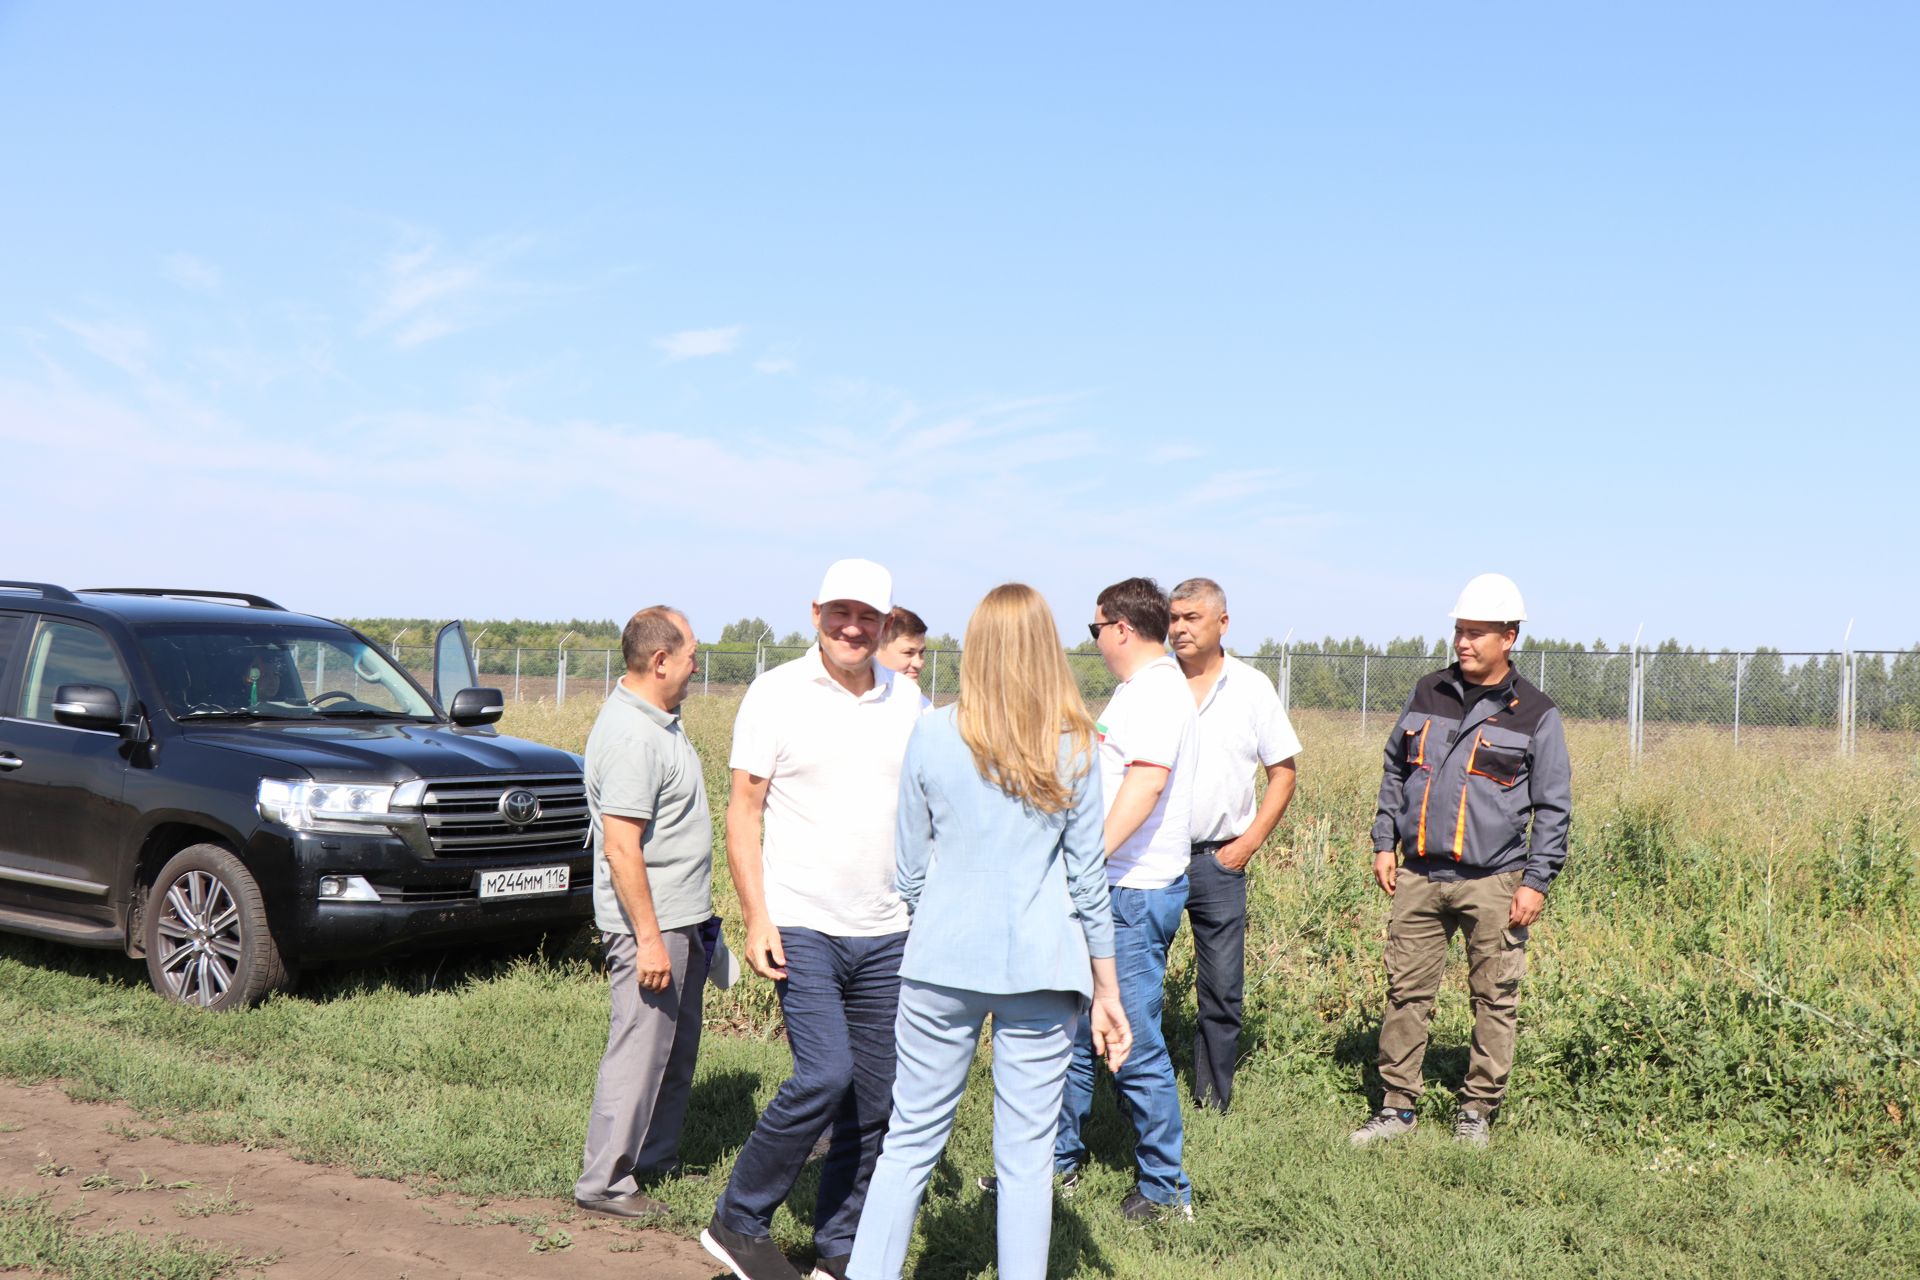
x=860, y=580
x=1491, y=597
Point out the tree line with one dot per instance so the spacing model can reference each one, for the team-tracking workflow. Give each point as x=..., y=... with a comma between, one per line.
x=1587, y=680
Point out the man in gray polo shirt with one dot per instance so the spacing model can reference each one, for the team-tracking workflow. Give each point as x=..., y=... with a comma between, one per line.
x=652, y=891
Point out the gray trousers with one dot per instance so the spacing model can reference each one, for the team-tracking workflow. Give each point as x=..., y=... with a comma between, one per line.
x=640, y=1100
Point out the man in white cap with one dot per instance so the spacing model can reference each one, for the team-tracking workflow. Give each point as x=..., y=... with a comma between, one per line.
x=817, y=747
x=1476, y=795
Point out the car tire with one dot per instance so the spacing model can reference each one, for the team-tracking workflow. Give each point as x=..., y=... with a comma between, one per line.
x=206, y=933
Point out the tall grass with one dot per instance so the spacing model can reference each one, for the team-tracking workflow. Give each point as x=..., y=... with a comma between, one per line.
x=1726, y=968
x=1716, y=1068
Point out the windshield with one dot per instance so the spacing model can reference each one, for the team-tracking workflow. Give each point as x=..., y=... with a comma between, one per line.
x=267, y=672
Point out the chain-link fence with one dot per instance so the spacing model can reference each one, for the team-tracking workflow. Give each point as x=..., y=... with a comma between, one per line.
x=1845, y=701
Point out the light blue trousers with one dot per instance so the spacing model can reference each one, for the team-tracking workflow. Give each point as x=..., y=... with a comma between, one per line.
x=937, y=1031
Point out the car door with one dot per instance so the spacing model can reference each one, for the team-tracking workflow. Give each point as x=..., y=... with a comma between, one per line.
x=64, y=812
x=453, y=668
x=12, y=843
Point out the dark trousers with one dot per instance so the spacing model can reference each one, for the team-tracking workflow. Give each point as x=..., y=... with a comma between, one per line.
x=839, y=1000
x=1217, y=910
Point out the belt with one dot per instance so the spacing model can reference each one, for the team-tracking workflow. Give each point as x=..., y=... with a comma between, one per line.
x=1208, y=846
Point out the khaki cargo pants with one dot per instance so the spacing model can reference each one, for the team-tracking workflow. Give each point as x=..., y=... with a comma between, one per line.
x=1425, y=915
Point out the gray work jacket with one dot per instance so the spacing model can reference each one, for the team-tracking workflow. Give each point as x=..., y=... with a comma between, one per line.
x=1486, y=788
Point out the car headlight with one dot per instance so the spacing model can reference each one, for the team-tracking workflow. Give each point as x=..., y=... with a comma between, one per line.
x=322, y=806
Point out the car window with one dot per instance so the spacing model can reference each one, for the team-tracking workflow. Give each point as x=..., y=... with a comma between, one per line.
x=9, y=627
x=269, y=671
x=67, y=653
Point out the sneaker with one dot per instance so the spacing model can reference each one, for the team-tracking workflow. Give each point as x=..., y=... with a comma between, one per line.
x=831, y=1267
x=631, y=1204
x=1470, y=1127
x=1065, y=1183
x=1387, y=1122
x=1137, y=1208
x=748, y=1257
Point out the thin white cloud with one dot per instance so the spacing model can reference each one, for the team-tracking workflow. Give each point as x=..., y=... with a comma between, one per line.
x=1177, y=453
x=695, y=344
x=1232, y=486
x=427, y=291
x=127, y=347
x=189, y=272
x=773, y=368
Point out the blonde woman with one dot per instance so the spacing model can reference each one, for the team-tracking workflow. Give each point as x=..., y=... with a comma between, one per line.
x=1000, y=858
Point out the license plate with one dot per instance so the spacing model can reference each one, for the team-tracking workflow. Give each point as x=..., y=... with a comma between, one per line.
x=523, y=881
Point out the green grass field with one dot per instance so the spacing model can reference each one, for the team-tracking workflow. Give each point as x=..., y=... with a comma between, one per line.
x=1719, y=1051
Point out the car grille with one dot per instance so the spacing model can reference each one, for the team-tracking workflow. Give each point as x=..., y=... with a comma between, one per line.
x=464, y=821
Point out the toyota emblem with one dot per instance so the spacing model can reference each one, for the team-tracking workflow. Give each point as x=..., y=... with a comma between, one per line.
x=519, y=806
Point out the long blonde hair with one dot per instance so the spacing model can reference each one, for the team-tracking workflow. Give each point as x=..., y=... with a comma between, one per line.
x=1017, y=697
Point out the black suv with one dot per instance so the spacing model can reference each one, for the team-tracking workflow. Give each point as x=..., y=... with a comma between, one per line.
x=231, y=790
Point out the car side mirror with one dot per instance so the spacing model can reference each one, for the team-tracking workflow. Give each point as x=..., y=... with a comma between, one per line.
x=477, y=706
x=86, y=706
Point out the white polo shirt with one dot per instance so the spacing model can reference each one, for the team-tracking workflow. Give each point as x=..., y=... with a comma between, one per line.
x=1151, y=721
x=1242, y=724
x=833, y=764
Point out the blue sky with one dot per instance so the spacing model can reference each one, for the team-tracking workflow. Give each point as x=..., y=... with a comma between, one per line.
x=464, y=310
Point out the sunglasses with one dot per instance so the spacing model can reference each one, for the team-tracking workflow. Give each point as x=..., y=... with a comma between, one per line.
x=1093, y=628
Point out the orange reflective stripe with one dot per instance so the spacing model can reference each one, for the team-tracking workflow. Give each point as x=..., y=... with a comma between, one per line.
x=1420, y=748
x=1460, y=823
x=1420, y=845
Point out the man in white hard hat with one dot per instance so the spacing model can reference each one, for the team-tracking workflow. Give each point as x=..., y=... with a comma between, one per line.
x=817, y=748
x=1476, y=796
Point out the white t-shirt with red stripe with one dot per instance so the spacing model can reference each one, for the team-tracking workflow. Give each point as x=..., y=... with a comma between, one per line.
x=1151, y=722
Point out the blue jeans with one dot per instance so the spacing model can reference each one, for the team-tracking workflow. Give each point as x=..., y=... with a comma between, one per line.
x=1144, y=922
x=839, y=999
x=939, y=1029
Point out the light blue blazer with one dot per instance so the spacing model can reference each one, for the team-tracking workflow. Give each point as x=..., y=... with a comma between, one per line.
x=1004, y=898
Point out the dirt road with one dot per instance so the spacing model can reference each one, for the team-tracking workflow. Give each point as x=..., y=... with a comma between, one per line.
x=312, y=1221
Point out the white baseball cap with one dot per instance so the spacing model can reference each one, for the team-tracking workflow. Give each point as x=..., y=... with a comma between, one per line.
x=861, y=580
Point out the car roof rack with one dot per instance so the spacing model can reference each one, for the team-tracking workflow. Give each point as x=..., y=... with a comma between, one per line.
x=251, y=601
x=46, y=589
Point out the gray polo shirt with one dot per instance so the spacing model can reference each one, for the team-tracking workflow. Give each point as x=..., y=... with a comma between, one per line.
x=640, y=765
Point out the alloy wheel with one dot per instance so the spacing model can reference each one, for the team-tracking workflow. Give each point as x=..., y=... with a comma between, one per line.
x=199, y=934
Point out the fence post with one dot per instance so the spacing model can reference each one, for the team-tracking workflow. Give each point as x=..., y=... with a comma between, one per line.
x=516, y=673
x=706, y=676
x=1363, y=694
x=1739, y=670
x=933, y=660
x=606, y=673
x=1286, y=680
x=560, y=680
x=1543, y=671
x=1853, y=705
x=1633, y=704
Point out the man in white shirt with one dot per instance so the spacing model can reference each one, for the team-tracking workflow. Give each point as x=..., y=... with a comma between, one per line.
x=1148, y=741
x=1242, y=727
x=817, y=747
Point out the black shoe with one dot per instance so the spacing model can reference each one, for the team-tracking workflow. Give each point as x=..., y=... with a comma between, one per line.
x=748, y=1257
x=1137, y=1208
x=1066, y=1182
x=831, y=1266
x=630, y=1205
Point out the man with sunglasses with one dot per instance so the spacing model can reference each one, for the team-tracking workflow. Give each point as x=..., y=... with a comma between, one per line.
x=1149, y=739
